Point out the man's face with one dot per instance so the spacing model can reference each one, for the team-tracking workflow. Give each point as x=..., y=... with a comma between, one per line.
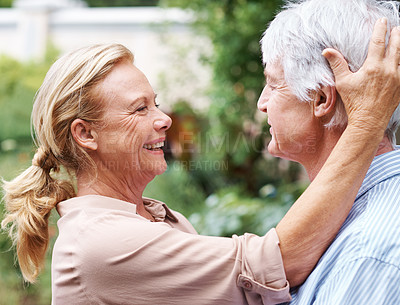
x=293, y=125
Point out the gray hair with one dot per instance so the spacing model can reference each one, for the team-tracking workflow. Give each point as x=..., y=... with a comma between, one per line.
x=298, y=35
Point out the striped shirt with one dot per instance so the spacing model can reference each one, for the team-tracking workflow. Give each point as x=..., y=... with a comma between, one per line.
x=362, y=265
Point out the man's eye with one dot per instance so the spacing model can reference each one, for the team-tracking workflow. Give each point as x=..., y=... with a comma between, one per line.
x=157, y=105
x=141, y=108
x=269, y=86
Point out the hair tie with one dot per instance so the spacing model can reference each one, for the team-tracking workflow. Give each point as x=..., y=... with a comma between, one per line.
x=37, y=157
x=44, y=161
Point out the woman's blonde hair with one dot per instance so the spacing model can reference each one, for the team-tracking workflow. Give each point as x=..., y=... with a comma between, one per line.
x=68, y=92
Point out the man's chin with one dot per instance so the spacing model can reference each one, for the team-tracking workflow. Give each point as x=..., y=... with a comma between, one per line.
x=273, y=150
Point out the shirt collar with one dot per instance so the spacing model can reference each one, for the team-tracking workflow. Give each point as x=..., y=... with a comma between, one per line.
x=156, y=208
x=382, y=167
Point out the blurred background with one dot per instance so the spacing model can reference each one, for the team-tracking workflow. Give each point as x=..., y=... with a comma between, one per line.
x=203, y=59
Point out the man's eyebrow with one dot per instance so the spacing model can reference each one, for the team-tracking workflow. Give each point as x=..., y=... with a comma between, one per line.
x=269, y=76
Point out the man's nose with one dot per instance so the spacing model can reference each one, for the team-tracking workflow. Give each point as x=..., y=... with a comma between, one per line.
x=262, y=101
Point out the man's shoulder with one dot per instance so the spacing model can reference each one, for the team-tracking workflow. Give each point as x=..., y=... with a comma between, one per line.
x=367, y=246
x=373, y=228
x=371, y=231
x=383, y=174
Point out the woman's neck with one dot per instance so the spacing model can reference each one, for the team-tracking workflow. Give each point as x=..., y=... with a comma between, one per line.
x=127, y=190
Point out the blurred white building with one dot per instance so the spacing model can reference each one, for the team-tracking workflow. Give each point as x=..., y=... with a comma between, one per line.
x=162, y=41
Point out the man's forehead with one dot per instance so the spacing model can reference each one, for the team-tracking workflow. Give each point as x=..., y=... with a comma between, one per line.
x=273, y=71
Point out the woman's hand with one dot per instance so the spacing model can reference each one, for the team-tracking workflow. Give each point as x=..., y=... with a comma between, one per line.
x=372, y=93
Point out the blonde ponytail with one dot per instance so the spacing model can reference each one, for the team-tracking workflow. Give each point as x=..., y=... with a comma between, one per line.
x=29, y=199
x=68, y=92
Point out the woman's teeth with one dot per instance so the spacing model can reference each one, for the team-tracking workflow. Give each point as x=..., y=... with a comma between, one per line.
x=153, y=146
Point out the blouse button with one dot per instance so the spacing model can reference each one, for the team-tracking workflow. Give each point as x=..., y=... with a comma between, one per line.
x=247, y=284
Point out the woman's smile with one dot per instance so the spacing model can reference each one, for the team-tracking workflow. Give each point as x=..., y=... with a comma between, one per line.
x=155, y=147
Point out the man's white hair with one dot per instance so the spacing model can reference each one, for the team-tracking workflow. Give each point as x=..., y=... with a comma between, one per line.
x=298, y=35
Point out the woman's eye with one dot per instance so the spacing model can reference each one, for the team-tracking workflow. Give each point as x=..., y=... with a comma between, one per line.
x=141, y=109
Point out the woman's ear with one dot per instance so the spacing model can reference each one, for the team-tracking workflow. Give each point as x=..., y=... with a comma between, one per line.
x=325, y=101
x=84, y=134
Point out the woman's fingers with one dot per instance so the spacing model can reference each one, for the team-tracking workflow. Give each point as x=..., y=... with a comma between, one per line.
x=371, y=94
x=376, y=49
x=337, y=62
x=393, y=48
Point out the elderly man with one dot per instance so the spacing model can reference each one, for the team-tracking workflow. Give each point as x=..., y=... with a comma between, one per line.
x=362, y=265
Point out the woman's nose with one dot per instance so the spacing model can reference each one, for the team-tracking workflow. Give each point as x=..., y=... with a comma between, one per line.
x=162, y=122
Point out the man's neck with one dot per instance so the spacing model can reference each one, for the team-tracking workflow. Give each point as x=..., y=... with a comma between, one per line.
x=314, y=166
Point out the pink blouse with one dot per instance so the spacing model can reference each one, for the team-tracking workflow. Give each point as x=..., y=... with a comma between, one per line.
x=107, y=254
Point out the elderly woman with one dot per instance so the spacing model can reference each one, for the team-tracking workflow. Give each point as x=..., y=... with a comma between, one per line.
x=96, y=116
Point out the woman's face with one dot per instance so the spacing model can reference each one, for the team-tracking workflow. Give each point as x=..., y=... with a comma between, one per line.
x=134, y=132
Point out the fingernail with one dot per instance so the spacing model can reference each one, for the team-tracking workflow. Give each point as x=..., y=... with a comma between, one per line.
x=325, y=53
x=383, y=20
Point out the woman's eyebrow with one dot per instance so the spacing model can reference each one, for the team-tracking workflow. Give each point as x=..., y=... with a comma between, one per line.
x=138, y=99
x=134, y=102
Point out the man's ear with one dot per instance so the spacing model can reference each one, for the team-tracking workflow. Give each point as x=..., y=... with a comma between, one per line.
x=325, y=101
x=84, y=134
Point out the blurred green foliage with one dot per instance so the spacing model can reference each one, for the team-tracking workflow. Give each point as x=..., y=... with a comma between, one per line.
x=234, y=135
x=246, y=190
x=102, y=3
x=178, y=189
x=13, y=291
x=19, y=82
x=18, y=85
x=110, y=3
x=225, y=186
x=230, y=211
x=6, y=3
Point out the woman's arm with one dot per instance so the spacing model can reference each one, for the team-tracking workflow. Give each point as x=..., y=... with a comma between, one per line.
x=370, y=97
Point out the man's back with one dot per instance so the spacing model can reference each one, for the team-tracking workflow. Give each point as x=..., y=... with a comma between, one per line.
x=362, y=265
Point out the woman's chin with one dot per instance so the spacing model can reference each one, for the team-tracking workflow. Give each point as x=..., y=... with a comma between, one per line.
x=156, y=167
x=160, y=168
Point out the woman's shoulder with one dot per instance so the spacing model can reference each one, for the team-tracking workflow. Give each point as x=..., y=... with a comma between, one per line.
x=161, y=212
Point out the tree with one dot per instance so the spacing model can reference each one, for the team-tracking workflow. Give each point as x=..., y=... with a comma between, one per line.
x=6, y=3
x=235, y=28
x=110, y=3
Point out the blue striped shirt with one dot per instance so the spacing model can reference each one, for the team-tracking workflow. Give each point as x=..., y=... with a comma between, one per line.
x=362, y=265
